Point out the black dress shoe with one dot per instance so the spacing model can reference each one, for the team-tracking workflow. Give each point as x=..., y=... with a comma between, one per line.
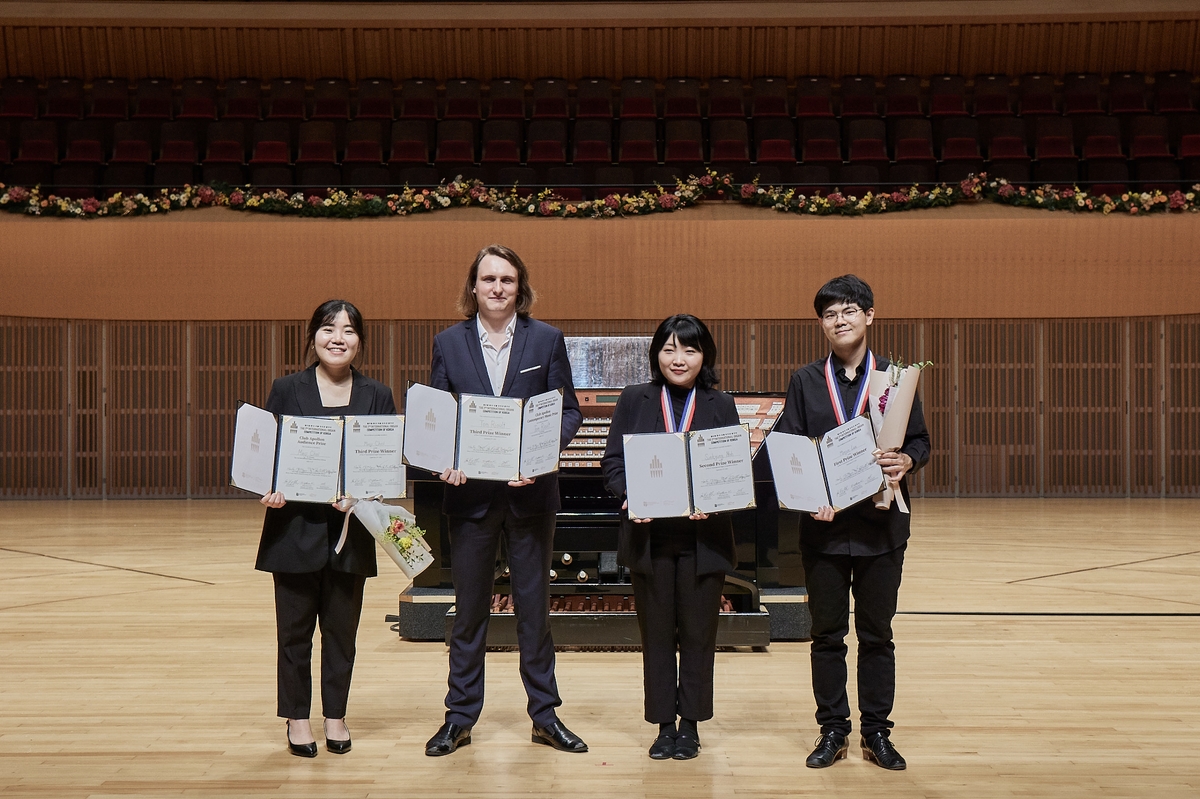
x=830, y=747
x=448, y=738
x=878, y=749
x=687, y=745
x=663, y=747
x=333, y=744
x=557, y=735
x=300, y=750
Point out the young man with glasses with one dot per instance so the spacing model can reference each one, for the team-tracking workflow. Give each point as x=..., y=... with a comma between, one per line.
x=859, y=551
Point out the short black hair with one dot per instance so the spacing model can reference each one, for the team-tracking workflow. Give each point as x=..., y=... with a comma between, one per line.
x=690, y=332
x=847, y=289
x=325, y=314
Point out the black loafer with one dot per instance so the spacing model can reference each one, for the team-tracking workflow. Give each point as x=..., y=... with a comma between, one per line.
x=333, y=744
x=878, y=749
x=300, y=750
x=447, y=739
x=557, y=735
x=687, y=745
x=663, y=747
x=830, y=748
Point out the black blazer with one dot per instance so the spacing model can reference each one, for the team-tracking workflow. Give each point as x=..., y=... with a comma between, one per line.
x=863, y=529
x=300, y=536
x=537, y=364
x=639, y=410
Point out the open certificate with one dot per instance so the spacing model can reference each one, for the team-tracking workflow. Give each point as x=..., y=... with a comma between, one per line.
x=541, y=430
x=678, y=474
x=837, y=469
x=309, y=463
x=489, y=437
x=374, y=457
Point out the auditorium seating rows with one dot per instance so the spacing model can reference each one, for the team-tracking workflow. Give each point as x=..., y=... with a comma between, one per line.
x=1124, y=131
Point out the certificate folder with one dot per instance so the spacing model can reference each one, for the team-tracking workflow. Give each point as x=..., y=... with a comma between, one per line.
x=317, y=458
x=837, y=469
x=487, y=437
x=669, y=475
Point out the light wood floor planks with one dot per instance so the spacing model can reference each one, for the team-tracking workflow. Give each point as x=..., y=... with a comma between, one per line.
x=137, y=660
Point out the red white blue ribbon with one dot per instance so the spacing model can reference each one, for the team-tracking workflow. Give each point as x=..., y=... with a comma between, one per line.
x=835, y=396
x=668, y=409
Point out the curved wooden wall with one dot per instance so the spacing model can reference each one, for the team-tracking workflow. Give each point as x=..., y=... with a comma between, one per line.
x=575, y=40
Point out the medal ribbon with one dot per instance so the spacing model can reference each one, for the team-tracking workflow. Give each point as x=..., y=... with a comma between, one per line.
x=835, y=396
x=689, y=410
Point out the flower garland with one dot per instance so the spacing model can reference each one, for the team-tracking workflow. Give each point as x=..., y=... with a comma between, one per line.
x=686, y=193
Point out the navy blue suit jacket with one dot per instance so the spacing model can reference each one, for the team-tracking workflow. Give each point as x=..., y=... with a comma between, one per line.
x=537, y=364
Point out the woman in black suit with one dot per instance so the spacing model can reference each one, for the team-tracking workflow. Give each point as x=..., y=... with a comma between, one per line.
x=678, y=566
x=314, y=579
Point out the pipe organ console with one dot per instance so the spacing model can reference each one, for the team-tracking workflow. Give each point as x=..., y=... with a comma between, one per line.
x=591, y=595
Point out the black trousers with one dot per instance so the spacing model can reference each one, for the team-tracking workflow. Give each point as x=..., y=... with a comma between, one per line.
x=334, y=599
x=677, y=610
x=875, y=583
x=474, y=544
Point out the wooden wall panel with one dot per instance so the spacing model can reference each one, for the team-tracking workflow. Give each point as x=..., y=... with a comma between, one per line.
x=1094, y=407
x=147, y=409
x=33, y=407
x=1183, y=407
x=704, y=40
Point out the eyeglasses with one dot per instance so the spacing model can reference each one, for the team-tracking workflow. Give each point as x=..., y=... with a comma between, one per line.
x=849, y=314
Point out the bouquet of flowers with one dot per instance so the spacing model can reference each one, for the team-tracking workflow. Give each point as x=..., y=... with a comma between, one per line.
x=396, y=531
x=891, y=399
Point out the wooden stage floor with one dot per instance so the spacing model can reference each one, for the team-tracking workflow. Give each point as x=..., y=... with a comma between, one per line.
x=1047, y=648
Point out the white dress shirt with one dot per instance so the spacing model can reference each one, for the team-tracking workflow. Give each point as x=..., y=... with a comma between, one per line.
x=496, y=360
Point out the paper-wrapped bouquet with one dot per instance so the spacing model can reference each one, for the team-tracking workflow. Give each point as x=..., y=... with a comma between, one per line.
x=892, y=393
x=396, y=530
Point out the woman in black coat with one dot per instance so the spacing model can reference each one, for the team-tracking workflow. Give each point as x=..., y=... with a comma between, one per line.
x=299, y=539
x=678, y=566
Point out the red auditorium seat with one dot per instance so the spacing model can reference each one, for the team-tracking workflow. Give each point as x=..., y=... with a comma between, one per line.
x=681, y=98
x=1100, y=137
x=913, y=141
x=684, y=141
x=243, y=99
x=1149, y=138
x=330, y=100
x=726, y=98
x=775, y=141
x=769, y=98
x=593, y=99
x=153, y=99
x=506, y=99
x=993, y=95
x=902, y=96
x=197, y=99
x=1161, y=176
x=64, y=99
x=225, y=142
x=820, y=141
x=108, y=99
x=502, y=142
x=1108, y=177
x=1083, y=93
x=86, y=142
x=18, y=98
x=814, y=97
x=410, y=142
x=77, y=181
x=867, y=141
x=1127, y=93
x=638, y=142
x=180, y=142
x=1037, y=95
x=947, y=96
x=6, y=141
x=1054, y=138
x=958, y=139
x=419, y=99
x=1006, y=139
x=37, y=143
x=1174, y=93
x=271, y=143
x=317, y=141
x=455, y=142
x=133, y=143
x=859, y=96
x=286, y=100
x=638, y=99
x=365, y=141
x=593, y=142
x=551, y=99
x=376, y=99
x=464, y=99
x=546, y=142
x=729, y=140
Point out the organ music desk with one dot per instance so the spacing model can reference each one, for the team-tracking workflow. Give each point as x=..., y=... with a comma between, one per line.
x=591, y=597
